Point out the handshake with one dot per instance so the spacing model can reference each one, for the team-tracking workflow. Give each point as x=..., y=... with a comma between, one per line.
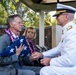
x=38, y=55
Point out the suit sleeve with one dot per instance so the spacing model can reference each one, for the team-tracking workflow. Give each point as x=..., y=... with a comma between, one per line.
x=4, y=44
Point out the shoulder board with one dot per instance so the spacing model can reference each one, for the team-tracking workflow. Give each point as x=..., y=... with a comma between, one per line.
x=69, y=27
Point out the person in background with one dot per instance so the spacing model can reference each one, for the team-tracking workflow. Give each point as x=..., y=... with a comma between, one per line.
x=30, y=34
x=61, y=60
x=15, y=24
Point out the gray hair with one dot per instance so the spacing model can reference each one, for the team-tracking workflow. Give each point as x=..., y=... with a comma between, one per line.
x=71, y=16
x=11, y=19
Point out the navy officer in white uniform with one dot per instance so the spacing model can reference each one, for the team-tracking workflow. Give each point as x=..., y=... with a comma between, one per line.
x=65, y=62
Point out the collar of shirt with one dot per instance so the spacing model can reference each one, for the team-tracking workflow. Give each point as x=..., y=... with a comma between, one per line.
x=15, y=36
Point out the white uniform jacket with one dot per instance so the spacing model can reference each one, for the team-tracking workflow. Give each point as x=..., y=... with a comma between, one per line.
x=66, y=47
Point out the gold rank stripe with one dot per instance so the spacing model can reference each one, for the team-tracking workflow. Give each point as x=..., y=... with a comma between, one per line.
x=69, y=27
x=60, y=11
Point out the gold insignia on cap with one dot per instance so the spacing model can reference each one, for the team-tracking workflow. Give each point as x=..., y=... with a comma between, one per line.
x=60, y=11
x=69, y=27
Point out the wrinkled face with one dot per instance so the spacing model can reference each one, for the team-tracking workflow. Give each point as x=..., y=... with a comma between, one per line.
x=17, y=24
x=30, y=34
x=61, y=19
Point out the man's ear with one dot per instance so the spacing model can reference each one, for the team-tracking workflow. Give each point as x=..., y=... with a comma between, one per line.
x=11, y=24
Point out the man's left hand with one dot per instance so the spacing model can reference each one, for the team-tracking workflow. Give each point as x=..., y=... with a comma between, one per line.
x=45, y=61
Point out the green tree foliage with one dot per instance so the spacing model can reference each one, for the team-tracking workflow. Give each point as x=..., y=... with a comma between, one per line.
x=48, y=21
x=3, y=15
x=30, y=18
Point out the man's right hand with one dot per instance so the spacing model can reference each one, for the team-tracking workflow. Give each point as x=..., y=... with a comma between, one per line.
x=36, y=55
x=19, y=50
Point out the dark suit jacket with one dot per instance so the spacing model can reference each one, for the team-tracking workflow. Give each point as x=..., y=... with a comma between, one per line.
x=4, y=43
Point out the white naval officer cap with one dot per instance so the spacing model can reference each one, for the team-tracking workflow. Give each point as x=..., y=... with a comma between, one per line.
x=64, y=9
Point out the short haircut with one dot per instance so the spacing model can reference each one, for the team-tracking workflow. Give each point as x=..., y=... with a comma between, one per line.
x=11, y=18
